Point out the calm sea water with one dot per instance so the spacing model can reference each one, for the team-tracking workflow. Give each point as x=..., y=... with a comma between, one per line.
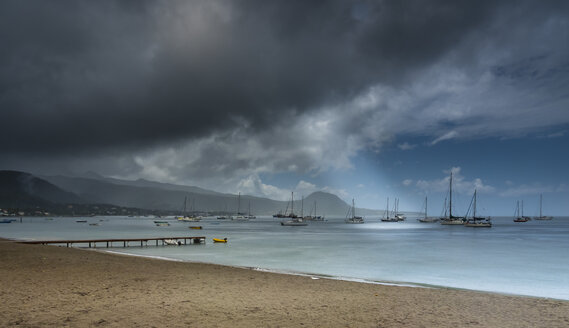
x=529, y=258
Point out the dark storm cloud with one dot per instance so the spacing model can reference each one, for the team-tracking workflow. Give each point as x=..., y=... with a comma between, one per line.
x=84, y=76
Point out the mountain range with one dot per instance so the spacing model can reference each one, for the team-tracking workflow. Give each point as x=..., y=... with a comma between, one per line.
x=25, y=190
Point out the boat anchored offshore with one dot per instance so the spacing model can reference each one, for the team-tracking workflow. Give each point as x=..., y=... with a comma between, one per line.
x=219, y=240
x=387, y=218
x=427, y=219
x=354, y=219
x=295, y=220
x=517, y=216
x=477, y=221
x=542, y=217
x=450, y=219
x=397, y=215
x=240, y=216
x=187, y=218
x=313, y=217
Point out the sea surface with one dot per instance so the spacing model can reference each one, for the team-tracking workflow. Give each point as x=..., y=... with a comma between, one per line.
x=529, y=258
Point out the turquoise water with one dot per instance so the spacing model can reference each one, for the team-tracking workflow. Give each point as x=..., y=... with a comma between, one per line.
x=529, y=258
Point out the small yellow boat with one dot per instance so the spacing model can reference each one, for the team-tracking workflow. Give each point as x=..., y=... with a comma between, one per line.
x=218, y=240
x=196, y=227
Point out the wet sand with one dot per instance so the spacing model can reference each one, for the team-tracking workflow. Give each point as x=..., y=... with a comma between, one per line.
x=49, y=286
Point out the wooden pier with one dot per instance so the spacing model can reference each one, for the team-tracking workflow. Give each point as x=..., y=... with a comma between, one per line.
x=124, y=241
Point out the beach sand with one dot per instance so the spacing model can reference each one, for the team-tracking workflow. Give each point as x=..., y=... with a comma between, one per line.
x=49, y=286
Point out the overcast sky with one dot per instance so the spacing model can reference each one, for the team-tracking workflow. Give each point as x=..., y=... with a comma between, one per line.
x=364, y=99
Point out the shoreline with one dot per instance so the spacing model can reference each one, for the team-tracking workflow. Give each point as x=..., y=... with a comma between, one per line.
x=59, y=286
x=331, y=277
x=295, y=273
x=309, y=274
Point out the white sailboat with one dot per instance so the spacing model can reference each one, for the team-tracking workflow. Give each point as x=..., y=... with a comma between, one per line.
x=294, y=219
x=426, y=219
x=353, y=219
x=249, y=215
x=477, y=221
x=223, y=217
x=541, y=216
x=386, y=218
x=397, y=215
x=185, y=217
x=451, y=220
x=240, y=216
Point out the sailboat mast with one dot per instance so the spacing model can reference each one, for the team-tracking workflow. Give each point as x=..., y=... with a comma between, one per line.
x=387, y=209
x=353, y=208
x=238, y=203
x=540, y=200
x=292, y=202
x=474, y=213
x=315, y=208
x=426, y=207
x=302, y=207
x=450, y=197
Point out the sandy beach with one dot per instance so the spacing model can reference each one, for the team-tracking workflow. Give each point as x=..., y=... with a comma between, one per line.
x=49, y=286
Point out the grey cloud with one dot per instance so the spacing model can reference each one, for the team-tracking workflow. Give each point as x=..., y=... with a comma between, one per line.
x=224, y=89
x=87, y=76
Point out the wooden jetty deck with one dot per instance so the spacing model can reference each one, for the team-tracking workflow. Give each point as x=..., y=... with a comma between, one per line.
x=125, y=241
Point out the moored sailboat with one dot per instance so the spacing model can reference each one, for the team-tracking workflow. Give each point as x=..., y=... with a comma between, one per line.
x=187, y=218
x=249, y=215
x=541, y=216
x=426, y=219
x=295, y=220
x=517, y=216
x=477, y=221
x=353, y=218
x=386, y=218
x=314, y=217
x=451, y=220
x=240, y=216
x=399, y=216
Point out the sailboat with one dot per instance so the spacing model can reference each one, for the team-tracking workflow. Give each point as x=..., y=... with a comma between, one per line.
x=314, y=217
x=517, y=216
x=249, y=215
x=542, y=217
x=398, y=216
x=354, y=218
x=223, y=217
x=387, y=218
x=187, y=218
x=451, y=220
x=294, y=219
x=240, y=216
x=477, y=221
x=290, y=214
x=427, y=219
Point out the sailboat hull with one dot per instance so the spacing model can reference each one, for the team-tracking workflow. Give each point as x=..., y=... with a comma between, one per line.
x=478, y=224
x=293, y=223
x=452, y=222
x=428, y=220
